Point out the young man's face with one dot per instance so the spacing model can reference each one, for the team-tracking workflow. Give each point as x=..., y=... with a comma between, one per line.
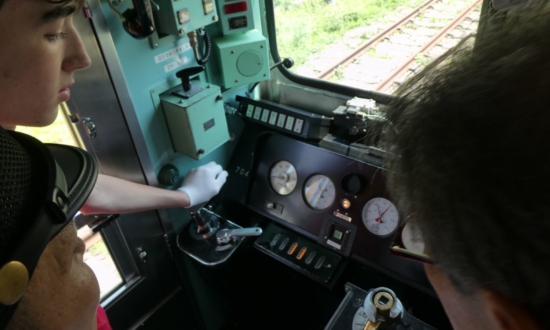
x=40, y=50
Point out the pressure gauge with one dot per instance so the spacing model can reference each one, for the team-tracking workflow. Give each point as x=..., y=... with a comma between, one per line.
x=283, y=177
x=319, y=192
x=412, y=240
x=380, y=216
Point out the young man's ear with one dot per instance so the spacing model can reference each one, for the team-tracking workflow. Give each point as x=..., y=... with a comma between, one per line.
x=507, y=315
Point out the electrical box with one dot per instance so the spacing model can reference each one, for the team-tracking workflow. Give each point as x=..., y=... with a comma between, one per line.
x=243, y=58
x=236, y=16
x=179, y=17
x=197, y=124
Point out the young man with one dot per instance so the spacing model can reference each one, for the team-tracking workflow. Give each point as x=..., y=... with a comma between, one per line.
x=472, y=172
x=40, y=52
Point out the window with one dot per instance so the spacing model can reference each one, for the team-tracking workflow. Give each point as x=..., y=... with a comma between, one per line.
x=370, y=44
x=97, y=255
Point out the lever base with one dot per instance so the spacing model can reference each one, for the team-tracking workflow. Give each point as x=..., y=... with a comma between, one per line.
x=205, y=248
x=187, y=94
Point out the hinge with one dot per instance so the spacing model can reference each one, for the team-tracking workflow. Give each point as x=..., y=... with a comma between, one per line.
x=169, y=246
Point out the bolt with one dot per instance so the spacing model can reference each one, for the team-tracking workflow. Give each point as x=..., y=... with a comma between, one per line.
x=215, y=18
x=219, y=98
x=200, y=152
x=261, y=46
x=181, y=102
x=265, y=74
x=236, y=80
x=208, y=86
x=182, y=31
x=156, y=45
x=232, y=52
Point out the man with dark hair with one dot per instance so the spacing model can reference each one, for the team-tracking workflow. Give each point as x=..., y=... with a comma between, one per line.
x=471, y=172
x=40, y=52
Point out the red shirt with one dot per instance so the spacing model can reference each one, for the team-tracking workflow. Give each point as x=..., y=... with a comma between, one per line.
x=102, y=320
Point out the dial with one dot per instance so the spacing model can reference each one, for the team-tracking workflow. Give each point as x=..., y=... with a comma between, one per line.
x=319, y=192
x=380, y=216
x=283, y=177
x=412, y=239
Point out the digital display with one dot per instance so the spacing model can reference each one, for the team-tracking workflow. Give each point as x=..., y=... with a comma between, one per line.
x=238, y=22
x=337, y=234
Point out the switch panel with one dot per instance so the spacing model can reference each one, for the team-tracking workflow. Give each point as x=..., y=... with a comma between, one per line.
x=236, y=16
x=182, y=17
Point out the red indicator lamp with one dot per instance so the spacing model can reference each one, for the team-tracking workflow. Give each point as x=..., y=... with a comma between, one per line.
x=237, y=7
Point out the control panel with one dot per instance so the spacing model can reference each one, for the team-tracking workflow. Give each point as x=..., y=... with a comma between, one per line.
x=284, y=119
x=339, y=203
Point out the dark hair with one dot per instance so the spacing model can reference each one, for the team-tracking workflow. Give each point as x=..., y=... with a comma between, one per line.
x=79, y=2
x=470, y=137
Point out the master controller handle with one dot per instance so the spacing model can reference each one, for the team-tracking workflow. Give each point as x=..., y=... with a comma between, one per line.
x=186, y=73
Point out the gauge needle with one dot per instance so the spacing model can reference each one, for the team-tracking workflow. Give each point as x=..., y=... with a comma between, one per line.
x=379, y=219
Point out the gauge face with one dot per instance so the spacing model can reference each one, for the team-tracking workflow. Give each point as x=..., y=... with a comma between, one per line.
x=380, y=216
x=283, y=177
x=412, y=239
x=319, y=192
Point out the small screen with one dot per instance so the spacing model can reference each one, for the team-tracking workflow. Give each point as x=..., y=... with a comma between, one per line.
x=337, y=234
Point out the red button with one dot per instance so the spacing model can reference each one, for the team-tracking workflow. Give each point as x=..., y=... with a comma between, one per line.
x=236, y=7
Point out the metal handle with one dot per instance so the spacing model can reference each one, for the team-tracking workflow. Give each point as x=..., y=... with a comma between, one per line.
x=224, y=236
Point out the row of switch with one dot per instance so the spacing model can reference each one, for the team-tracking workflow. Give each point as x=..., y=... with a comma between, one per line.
x=293, y=247
x=274, y=118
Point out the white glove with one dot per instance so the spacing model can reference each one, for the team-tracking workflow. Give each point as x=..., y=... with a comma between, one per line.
x=203, y=183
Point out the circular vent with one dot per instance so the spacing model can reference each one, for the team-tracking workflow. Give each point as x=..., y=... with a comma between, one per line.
x=249, y=63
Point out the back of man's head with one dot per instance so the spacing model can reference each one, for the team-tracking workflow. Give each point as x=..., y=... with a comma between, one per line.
x=472, y=139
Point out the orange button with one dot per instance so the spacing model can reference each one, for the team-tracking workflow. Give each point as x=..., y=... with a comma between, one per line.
x=301, y=253
x=292, y=248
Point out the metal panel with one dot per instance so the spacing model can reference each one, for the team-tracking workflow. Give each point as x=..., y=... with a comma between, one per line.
x=94, y=97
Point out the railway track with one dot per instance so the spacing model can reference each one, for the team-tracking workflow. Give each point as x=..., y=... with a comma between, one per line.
x=384, y=61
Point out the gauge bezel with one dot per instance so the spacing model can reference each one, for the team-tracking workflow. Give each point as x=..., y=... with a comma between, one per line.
x=304, y=192
x=271, y=183
x=397, y=226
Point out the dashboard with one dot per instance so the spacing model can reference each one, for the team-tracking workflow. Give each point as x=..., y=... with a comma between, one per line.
x=338, y=204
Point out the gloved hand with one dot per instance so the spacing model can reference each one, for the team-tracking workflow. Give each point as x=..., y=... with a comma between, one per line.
x=203, y=183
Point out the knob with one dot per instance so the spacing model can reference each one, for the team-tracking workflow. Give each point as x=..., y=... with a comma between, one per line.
x=169, y=175
x=354, y=184
x=186, y=73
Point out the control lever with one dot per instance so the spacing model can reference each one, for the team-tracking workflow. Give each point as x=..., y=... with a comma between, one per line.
x=188, y=89
x=226, y=236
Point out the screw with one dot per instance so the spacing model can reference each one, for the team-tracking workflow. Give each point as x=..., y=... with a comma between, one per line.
x=236, y=80
x=215, y=18
x=156, y=45
x=200, y=152
x=261, y=46
x=265, y=74
x=232, y=52
x=208, y=86
x=219, y=98
x=182, y=31
x=181, y=102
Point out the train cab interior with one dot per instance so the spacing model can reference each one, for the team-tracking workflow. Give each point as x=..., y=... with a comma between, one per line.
x=301, y=235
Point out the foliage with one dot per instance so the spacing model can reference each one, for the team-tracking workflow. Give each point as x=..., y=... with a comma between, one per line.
x=305, y=27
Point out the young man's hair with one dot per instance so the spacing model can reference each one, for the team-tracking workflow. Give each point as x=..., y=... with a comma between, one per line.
x=470, y=140
x=61, y=2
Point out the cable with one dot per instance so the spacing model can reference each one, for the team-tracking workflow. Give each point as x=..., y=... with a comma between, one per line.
x=207, y=47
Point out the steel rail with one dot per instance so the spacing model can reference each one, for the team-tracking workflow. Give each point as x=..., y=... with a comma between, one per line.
x=375, y=40
x=386, y=83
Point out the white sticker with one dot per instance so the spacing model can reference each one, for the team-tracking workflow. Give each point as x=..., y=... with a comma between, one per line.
x=281, y=121
x=265, y=115
x=176, y=64
x=334, y=244
x=174, y=52
x=273, y=118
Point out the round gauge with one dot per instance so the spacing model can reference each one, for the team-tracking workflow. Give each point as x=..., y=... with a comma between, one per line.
x=380, y=216
x=283, y=177
x=412, y=240
x=319, y=192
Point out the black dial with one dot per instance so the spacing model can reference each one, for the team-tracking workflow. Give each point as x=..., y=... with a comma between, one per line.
x=354, y=184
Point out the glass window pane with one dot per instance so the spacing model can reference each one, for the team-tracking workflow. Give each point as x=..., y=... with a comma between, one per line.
x=370, y=44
